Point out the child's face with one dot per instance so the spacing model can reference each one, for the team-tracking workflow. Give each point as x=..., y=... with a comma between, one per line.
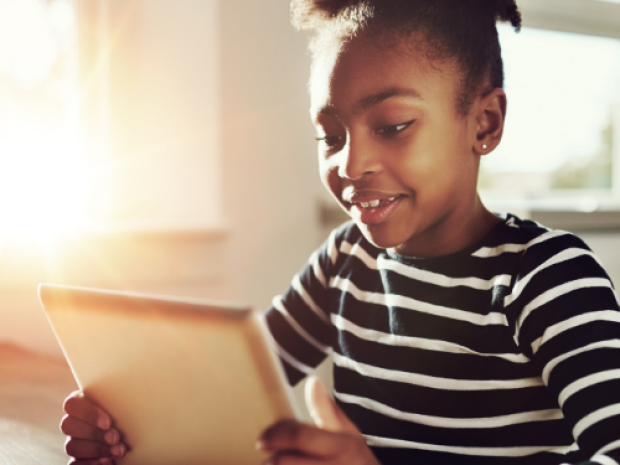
x=396, y=155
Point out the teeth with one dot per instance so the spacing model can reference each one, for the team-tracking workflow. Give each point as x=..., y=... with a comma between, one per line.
x=371, y=203
x=375, y=203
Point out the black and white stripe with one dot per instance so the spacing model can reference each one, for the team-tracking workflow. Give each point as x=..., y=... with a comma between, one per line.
x=508, y=350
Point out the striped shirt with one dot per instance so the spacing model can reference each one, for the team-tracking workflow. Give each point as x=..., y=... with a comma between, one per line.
x=506, y=352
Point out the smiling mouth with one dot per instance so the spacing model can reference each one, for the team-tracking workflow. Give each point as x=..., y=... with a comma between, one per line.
x=374, y=211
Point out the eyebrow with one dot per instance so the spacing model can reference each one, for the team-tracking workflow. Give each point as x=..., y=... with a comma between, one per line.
x=375, y=99
x=369, y=101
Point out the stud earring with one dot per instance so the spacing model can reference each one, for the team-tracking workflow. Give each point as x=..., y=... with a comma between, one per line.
x=484, y=146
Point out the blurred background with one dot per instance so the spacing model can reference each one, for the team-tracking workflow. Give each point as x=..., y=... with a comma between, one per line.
x=165, y=146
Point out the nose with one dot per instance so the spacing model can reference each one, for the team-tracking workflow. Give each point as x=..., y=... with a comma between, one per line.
x=358, y=159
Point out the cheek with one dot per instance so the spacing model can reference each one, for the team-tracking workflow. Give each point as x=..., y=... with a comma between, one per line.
x=417, y=164
x=440, y=149
x=329, y=176
x=430, y=169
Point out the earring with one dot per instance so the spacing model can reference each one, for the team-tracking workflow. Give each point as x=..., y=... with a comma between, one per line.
x=484, y=146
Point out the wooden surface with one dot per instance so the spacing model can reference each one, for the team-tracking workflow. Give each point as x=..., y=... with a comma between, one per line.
x=32, y=388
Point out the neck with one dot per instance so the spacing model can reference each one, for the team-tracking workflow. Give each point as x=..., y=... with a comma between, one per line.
x=453, y=233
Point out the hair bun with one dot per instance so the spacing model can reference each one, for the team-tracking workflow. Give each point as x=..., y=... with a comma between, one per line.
x=508, y=11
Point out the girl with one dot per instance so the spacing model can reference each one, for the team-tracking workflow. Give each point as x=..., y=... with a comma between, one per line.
x=458, y=336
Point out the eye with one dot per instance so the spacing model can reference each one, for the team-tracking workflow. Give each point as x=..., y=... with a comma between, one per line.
x=330, y=141
x=393, y=129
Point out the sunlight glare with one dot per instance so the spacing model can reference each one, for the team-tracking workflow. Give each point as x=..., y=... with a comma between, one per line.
x=43, y=179
x=27, y=45
x=62, y=17
x=42, y=185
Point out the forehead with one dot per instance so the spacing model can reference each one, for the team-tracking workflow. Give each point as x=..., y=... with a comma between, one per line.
x=344, y=74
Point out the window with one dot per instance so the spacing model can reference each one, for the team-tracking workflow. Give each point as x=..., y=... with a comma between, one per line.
x=560, y=148
x=108, y=115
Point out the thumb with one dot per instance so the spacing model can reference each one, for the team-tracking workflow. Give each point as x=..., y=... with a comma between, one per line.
x=324, y=411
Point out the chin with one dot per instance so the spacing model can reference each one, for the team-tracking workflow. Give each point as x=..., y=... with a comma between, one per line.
x=380, y=238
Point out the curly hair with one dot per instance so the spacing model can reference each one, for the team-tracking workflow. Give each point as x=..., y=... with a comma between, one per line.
x=463, y=30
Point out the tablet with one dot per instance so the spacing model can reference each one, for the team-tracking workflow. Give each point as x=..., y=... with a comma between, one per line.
x=187, y=381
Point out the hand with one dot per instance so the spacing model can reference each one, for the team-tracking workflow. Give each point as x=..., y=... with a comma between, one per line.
x=91, y=439
x=334, y=440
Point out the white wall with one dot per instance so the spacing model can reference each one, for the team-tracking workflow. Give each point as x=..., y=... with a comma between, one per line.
x=270, y=176
x=150, y=80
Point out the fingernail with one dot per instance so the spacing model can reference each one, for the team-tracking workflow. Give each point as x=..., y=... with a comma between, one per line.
x=111, y=437
x=118, y=450
x=105, y=461
x=259, y=445
x=103, y=422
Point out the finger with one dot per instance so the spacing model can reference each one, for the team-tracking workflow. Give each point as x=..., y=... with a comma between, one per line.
x=323, y=410
x=79, y=429
x=86, y=449
x=101, y=461
x=76, y=405
x=295, y=437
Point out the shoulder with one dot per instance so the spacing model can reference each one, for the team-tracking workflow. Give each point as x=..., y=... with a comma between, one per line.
x=545, y=247
x=553, y=256
x=558, y=279
x=531, y=241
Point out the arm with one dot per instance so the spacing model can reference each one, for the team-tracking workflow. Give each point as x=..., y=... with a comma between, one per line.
x=299, y=320
x=300, y=324
x=569, y=323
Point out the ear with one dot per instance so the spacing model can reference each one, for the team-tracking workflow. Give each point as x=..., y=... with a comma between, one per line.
x=490, y=115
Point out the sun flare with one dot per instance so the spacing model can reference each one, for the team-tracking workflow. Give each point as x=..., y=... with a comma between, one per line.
x=44, y=186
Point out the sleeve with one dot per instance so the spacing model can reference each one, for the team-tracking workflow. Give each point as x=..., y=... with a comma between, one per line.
x=569, y=324
x=299, y=319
